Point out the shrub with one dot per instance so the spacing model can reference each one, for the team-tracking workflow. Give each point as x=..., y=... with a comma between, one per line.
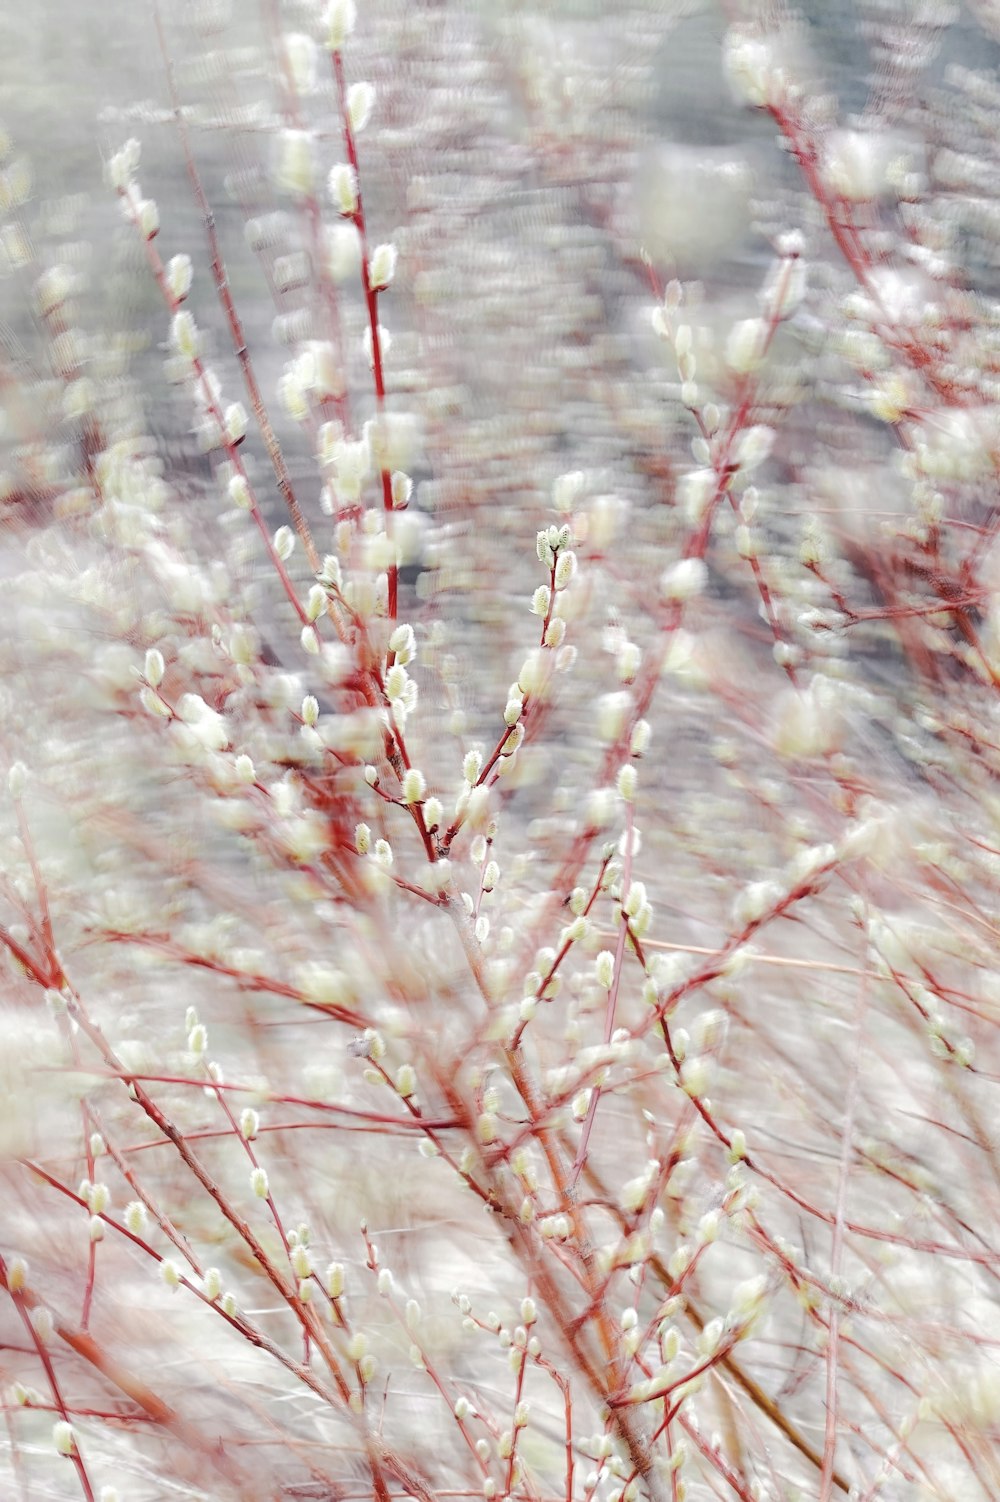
x=499, y=914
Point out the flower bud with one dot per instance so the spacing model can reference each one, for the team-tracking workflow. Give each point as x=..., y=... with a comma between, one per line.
x=148, y=218
x=239, y=492
x=382, y=267
x=629, y=660
x=414, y=786
x=123, y=165
x=604, y=969
x=745, y=345
x=342, y=184
x=750, y=66
x=360, y=103
x=284, y=543
x=300, y=61
x=339, y=21
x=296, y=163
x=854, y=164
x=627, y=783
x=754, y=446
x=641, y=737
x=565, y=569
x=611, y=713
x=184, y=335
x=135, y=1217
x=179, y=277
x=153, y=703
x=236, y=422
x=683, y=580
x=154, y=668
x=433, y=813
x=63, y=1438
x=170, y=1274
